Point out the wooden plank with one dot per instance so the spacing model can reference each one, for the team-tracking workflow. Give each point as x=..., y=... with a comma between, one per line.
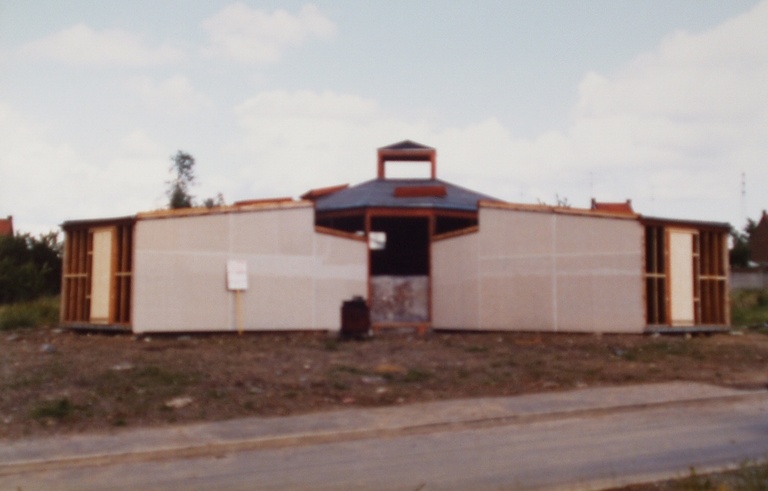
x=681, y=275
x=101, y=276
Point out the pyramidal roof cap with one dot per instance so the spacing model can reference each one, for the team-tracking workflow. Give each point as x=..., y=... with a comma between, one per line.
x=406, y=145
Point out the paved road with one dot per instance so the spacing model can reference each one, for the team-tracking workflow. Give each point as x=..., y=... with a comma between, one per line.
x=584, y=451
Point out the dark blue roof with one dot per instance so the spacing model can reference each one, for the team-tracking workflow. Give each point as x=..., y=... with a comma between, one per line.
x=380, y=193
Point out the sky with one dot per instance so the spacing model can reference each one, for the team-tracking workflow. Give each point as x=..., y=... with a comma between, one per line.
x=664, y=102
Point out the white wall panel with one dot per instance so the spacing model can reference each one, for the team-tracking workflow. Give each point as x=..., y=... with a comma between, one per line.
x=297, y=278
x=541, y=271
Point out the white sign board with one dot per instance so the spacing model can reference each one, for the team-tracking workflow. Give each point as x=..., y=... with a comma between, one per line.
x=237, y=275
x=377, y=241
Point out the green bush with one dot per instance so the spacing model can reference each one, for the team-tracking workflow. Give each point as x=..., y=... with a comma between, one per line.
x=36, y=313
x=29, y=267
x=749, y=307
x=56, y=409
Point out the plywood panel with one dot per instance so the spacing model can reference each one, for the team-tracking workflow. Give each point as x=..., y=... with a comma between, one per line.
x=508, y=232
x=101, y=282
x=681, y=277
x=534, y=271
x=518, y=303
x=455, y=283
x=297, y=278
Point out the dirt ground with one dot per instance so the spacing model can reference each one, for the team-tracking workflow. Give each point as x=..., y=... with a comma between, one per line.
x=56, y=381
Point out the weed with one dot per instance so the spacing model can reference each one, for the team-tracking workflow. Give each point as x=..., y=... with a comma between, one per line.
x=658, y=350
x=55, y=409
x=36, y=313
x=36, y=378
x=417, y=375
x=140, y=388
x=151, y=377
x=331, y=344
x=752, y=476
x=339, y=385
x=749, y=307
x=118, y=419
x=694, y=482
x=347, y=369
x=476, y=349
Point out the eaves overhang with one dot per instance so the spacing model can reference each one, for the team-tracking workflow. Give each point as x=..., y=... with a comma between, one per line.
x=433, y=194
x=97, y=222
x=697, y=224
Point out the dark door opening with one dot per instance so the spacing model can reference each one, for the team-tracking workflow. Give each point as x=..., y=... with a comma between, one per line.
x=400, y=270
x=405, y=249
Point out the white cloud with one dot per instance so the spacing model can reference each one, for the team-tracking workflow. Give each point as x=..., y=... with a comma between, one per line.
x=80, y=44
x=46, y=183
x=673, y=128
x=305, y=139
x=244, y=34
x=174, y=94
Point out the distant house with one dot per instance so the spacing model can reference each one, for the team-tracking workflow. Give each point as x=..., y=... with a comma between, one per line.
x=758, y=241
x=620, y=207
x=423, y=253
x=6, y=226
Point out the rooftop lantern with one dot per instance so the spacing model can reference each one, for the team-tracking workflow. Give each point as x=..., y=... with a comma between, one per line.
x=407, y=151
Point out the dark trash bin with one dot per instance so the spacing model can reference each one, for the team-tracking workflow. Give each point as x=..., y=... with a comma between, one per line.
x=355, y=318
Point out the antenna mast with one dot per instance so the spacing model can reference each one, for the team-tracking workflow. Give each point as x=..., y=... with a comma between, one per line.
x=743, y=197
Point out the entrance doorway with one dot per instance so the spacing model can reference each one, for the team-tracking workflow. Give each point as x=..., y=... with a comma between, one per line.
x=400, y=269
x=681, y=275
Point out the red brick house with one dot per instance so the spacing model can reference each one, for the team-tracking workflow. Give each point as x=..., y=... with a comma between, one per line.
x=6, y=225
x=758, y=241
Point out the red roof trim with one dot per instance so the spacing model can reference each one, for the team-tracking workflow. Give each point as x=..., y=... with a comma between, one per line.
x=314, y=194
x=420, y=191
x=615, y=207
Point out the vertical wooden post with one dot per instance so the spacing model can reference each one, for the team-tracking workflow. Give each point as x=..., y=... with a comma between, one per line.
x=239, y=311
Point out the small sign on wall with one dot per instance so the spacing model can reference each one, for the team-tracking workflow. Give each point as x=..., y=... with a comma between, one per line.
x=237, y=275
x=377, y=241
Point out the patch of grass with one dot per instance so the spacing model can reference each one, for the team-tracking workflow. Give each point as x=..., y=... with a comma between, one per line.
x=695, y=482
x=339, y=376
x=151, y=376
x=463, y=373
x=56, y=409
x=136, y=388
x=417, y=375
x=751, y=476
x=657, y=350
x=749, y=307
x=347, y=369
x=476, y=349
x=339, y=385
x=331, y=344
x=38, y=377
x=36, y=313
